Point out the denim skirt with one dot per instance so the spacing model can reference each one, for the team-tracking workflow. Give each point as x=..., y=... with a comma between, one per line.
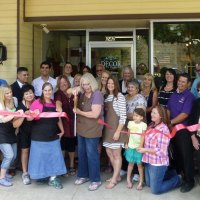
x=46, y=159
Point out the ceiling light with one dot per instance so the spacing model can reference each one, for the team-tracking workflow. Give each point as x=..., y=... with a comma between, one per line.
x=44, y=28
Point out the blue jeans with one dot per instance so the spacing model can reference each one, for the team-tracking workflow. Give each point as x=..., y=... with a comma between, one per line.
x=159, y=180
x=88, y=158
x=9, y=152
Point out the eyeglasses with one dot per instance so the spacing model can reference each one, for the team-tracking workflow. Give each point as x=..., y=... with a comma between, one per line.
x=100, y=70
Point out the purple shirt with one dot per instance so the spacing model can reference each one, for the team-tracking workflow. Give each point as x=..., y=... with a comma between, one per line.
x=180, y=103
x=96, y=99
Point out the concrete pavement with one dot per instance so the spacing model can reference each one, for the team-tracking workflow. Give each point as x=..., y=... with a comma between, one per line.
x=71, y=192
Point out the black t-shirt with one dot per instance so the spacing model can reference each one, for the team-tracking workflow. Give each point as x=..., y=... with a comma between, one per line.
x=25, y=127
x=45, y=129
x=7, y=133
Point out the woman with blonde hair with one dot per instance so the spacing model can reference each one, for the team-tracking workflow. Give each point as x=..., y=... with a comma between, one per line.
x=127, y=75
x=77, y=79
x=8, y=145
x=149, y=91
x=89, y=110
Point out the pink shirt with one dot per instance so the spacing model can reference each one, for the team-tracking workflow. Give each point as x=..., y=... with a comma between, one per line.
x=157, y=139
x=37, y=105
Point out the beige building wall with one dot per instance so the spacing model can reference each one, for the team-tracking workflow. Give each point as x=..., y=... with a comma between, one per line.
x=8, y=35
x=37, y=46
x=41, y=8
x=25, y=43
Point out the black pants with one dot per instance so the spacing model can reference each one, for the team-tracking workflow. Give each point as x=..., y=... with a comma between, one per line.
x=197, y=156
x=183, y=155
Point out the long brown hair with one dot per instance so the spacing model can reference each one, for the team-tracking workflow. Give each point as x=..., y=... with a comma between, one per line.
x=59, y=80
x=163, y=114
x=41, y=99
x=116, y=84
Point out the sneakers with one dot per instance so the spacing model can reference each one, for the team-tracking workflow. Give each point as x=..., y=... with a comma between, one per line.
x=43, y=181
x=122, y=172
x=8, y=176
x=26, y=179
x=80, y=181
x=56, y=183
x=6, y=183
x=186, y=187
x=136, y=177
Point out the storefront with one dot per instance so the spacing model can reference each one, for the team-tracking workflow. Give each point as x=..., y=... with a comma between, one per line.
x=146, y=35
x=172, y=43
x=114, y=48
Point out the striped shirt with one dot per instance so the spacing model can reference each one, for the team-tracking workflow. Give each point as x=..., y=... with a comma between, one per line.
x=158, y=141
x=114, y=145
x=163, y=96
x=119, y=106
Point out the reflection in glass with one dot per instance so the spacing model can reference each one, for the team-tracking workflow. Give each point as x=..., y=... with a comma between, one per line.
x=177, y=45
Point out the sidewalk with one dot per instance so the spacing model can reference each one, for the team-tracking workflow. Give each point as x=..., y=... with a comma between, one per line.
x=70, y=191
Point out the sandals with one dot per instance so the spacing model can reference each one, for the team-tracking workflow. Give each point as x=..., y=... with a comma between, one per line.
x=119, y=179
x=80, y=181
x=71, y=172
x=111, y=185
x=139, y=186
x=129, y=185
x=94, y=186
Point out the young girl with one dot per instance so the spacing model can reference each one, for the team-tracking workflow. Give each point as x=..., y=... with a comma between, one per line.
x=135, y=141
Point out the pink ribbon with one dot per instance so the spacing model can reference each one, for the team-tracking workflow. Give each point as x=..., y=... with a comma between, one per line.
x=175, y=129
x=33, y=115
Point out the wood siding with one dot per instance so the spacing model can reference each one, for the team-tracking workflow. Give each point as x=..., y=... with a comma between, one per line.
x=41, y=8
x=8, y=35
x=37, y=51
x=25, y=43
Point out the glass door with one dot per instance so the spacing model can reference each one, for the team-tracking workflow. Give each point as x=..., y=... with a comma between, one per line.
x=113, y=55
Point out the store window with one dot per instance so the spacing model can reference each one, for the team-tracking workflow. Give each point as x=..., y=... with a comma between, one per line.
x=142, y=51
x=60, y=47
x=177, y=45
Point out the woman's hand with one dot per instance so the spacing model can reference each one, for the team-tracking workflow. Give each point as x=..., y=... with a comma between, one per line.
x=60, y=134
x=76, y=110
x=116, y=135
x=76, y=90
x=195, y=142
x=20, y=111
x=58, y=108
x=141, y=150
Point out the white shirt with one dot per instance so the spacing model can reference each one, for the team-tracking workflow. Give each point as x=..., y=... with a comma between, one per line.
x=38, y=83
x=20, y=84
x=71, y=80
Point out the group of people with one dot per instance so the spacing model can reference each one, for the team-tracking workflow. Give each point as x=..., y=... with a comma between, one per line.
x=131, y=119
